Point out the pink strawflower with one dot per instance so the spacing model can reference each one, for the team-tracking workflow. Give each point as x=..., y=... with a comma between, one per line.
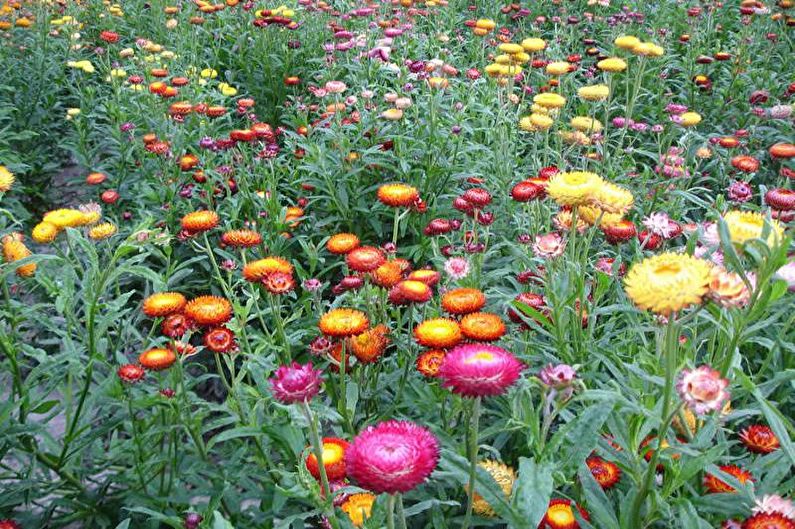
x=659, y=224
x=457, y=267
x=559, y=377
x=740, y=191
x=392, y=456
x=476, y=370
x=549, y=246
x=295, y=383
x=702, y=389
x=787, y=274
x=772, y=504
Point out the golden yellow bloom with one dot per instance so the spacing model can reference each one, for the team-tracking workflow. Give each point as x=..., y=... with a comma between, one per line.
x=573, y=189
x=526, y=124
x=533, y=44
x=626, y=42
x=591, y=214
x=358, y=507
x=586, y=124
x=14, y=250
x=549, y=100
x=611, y=198
x=392, y=114
x=689, y=119
x=744, y=226
x=485, y=23
x=65, y=218
x=558, y=68
x=6, y=179
x=438, y=82
x=598, y=92
x=541, y=121
x=102, y=231
x=612, y=65
x=648, y=49
x=668, y=282
x=505, y=478
x=575, y=137
x=510, y=48
x=44, y=232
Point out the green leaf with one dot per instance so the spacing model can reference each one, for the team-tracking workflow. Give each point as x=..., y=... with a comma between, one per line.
x=219, y=522
x=124, y=525
x=44, y=407
x=532, y=491
x=598, y=504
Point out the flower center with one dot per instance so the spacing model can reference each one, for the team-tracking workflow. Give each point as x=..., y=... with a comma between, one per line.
x=480, y=356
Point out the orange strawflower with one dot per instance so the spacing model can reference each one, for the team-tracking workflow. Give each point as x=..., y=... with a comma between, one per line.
x=209, y=310
x=463, y=300
x=163, y=304
x=199, y=221
x=157, y=359
x=342, y=243
x=438, y=333
x=482, y=326
x=341, y=323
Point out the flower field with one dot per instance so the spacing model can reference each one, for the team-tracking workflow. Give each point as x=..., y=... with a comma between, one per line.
x=397, y=264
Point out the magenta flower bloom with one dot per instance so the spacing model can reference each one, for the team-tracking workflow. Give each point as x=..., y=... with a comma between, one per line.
x=295, y=383
x=476, y=370
x=702, y=389
x=392, y=456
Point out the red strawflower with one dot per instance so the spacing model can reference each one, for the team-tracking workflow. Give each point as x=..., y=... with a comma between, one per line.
x=220, y=340
x=560, y=515
x=760, y=439
x=606, y=473
x=768, y=521
x=130, y=373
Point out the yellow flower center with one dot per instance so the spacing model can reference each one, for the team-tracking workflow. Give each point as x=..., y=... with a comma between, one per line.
x=481, y=356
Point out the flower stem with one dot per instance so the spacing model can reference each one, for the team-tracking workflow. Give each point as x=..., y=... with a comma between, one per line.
x=667, y=347
x=390, y=512
x=317, y=448
x=401, y=512
x=474, y=422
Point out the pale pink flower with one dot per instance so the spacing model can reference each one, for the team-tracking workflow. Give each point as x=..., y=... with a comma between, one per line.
x=702, y=389
x=787, y=274
x=457, y=267
x=549, y=246
x=772, y=504
x=659, y=224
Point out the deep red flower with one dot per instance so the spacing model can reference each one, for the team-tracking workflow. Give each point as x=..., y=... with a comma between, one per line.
x=333, y=459
x=220, y=340
x=130, y=373
x=606, y=473
x=780, y=198
x=760, y=439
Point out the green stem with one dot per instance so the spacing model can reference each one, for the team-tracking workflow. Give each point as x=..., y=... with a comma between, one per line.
x=390, y=512
x=473, y=459
x=667, y=347
x=317, y=448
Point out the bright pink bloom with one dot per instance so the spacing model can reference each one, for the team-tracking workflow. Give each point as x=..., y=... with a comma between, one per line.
x=702, y=389
x=457, y=267
x=295, y=383
x=476, y=370
x=393, y=456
